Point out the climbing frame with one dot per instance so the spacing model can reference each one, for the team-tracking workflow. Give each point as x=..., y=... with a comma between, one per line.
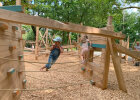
x=11, y=47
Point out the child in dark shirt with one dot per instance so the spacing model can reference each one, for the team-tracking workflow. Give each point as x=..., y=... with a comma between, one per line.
x=56, y=49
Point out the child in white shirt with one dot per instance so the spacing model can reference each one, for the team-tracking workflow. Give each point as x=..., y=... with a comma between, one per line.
x=85, y=48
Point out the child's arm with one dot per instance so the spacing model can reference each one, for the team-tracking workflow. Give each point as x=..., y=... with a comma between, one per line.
x=52, y=47
x=61, y=49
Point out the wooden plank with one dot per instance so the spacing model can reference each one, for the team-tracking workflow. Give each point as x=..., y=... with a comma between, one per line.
x=13, y=8
x=22, y=18
x=121, y=49
x=117, y=65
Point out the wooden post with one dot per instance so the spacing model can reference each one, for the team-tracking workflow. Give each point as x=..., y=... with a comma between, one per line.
x=18, y=2
x=117, y=65
x=106, y=66
x=120, y=54
x=36, y=47
x=70, y=41
x=127, y=46
x=107, y=55
x=46, y=38
x=91, y=51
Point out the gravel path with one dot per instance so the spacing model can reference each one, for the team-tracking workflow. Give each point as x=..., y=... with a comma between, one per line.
x=72, y=85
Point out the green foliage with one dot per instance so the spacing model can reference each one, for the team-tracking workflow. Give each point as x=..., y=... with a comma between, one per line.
x=30, y=34
x=88, y=12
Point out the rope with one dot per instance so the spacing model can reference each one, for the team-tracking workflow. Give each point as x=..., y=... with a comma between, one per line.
x=49, y=71
x=34, y=62
x=40, y=89
x=49, y=81
x=42, y=62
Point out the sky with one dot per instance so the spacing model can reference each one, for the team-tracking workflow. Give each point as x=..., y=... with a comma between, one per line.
x=128, y=5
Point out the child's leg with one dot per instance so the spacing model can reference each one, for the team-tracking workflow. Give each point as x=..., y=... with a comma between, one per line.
x=48, y=65
x=82, y=56
x=50, y=62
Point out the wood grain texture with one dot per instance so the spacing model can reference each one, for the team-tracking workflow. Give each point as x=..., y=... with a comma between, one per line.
x=117, y=65
x=22, y=18
x=14, y=80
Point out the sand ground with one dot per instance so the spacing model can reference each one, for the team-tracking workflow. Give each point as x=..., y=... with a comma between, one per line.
x=65, y=82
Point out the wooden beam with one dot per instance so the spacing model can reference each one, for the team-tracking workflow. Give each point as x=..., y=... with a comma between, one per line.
x=36, y=46
x=13, y=8
x=22, y=18
x=117, y=65
x=121, y=49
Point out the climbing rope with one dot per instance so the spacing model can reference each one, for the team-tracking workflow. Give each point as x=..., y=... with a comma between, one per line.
x=50, y=70
x=50, y=81
x=42, y=62
x=35, y=62
x=40, y=89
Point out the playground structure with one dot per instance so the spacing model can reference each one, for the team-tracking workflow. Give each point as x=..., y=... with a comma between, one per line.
x=12, y=48
x=126, y=45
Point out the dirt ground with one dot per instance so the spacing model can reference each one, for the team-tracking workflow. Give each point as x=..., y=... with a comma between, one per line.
x=65, y=82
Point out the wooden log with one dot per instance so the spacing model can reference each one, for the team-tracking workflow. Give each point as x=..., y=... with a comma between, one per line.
x=46, y=32
x=127, y=46
x=121, y=49
x=22, y=18
x=91, y=54
x=3, y=26
x=36, y=47
x=117, y=65
x=106, y=63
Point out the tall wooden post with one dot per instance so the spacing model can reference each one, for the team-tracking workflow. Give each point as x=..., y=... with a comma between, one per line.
x=106, y=65
x=107, y=55
x=127, y=46
x=18, y=2
x=117, y=65
x=70, y=41
x=36, y=46
x=46, y=38
x=120, y=54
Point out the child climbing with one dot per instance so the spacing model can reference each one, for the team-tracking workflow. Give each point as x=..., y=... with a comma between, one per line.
x=85, y=48
x=56, y=49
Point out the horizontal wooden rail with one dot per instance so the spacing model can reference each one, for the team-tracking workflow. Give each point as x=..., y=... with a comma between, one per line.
x=22, y=18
